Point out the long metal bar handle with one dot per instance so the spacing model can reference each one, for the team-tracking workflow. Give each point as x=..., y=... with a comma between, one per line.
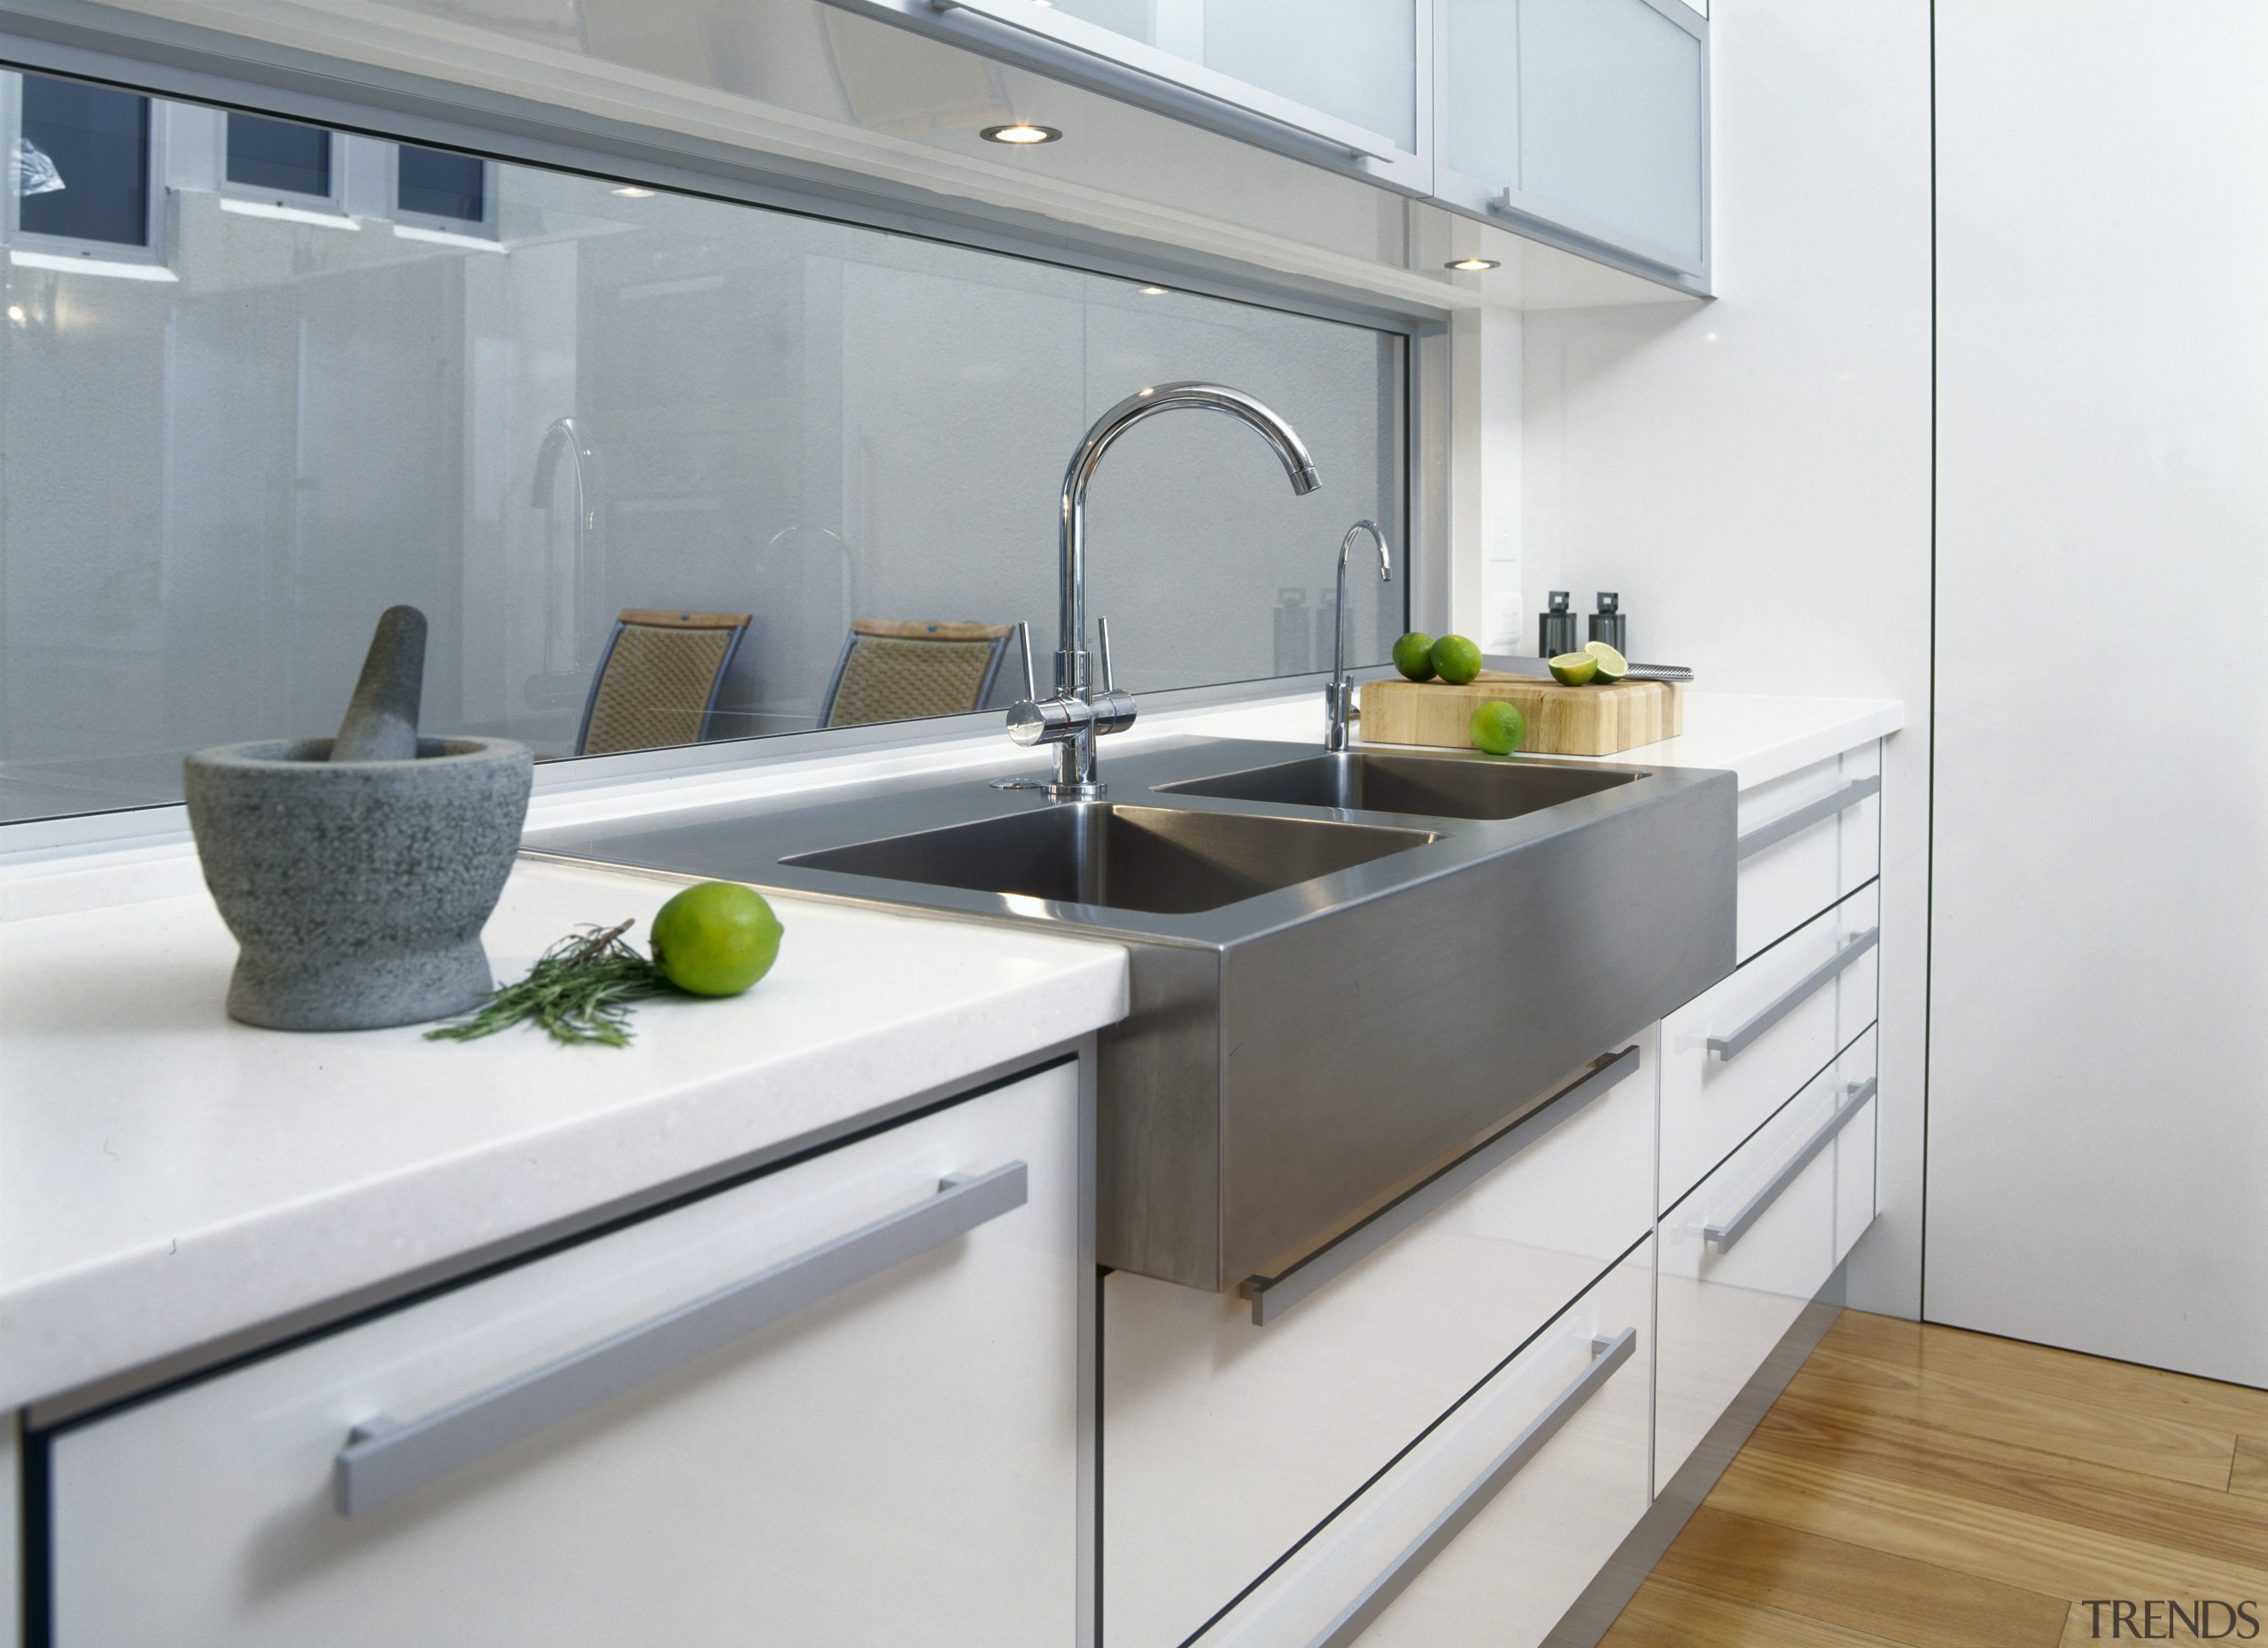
x=1722, y=1237
x=1607, y=1355
x=1803, y=818
x=383, y=1459
x=1730, y=1047
x=1272, y=1296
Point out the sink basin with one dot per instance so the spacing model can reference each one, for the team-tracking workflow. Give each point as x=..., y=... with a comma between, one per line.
x=1318, y=1014
x=1151, y=860
x=1429, y=786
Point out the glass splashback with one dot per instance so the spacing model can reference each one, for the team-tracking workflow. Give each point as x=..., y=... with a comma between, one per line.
x=217, y=471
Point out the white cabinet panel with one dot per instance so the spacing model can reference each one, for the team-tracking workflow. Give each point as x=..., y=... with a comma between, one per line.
x=1784, y=885
x=1224, y=1442
x=1856, y=1192
x=1725, y=1302
x=1506, y=1578
x=893, y=1463
x=1710, y=1102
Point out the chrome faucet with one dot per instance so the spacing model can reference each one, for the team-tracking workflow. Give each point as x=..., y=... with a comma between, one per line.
x=1077, y=715
x=1339, y=695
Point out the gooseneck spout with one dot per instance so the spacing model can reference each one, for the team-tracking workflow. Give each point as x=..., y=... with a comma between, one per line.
x=1077, y=715
x=1338, y=697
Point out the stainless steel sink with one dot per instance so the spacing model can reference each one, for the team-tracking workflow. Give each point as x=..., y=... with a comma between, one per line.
x=1324, y=1009
x=1153, y=860
x=1428, y=786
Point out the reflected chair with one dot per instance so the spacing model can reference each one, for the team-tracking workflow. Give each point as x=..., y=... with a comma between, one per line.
x=658, y=682
x=896, y=670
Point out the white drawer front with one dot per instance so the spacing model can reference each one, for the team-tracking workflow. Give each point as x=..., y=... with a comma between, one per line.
x=1532, y=1543
x=1224, y=1442
x=1744, y=1253
x=1783, y=885
x=1856, y=1195
x=1710, y=1101
x=896, y=1463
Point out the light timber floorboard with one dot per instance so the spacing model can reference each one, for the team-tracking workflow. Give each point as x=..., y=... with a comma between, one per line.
x=1930, y=1488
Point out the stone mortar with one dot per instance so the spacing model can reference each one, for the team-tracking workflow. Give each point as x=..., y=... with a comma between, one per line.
x=357, y=889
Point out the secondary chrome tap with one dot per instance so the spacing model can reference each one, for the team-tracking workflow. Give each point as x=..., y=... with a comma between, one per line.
x=1078, y=714
x=1338, y=695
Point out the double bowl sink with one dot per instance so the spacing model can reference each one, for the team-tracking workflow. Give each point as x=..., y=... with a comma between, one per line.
x=1345, y=969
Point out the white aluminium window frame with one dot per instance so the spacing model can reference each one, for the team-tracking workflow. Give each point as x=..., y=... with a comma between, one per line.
x=332, y=204
x=149, y=261
x=437, y=226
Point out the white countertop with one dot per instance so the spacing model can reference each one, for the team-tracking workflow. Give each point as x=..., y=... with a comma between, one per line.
x=168, y=1176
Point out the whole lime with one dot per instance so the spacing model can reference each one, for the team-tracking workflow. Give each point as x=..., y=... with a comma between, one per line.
x=1413, y=656
x=1456, y=659
x=716, y=938
x=1497, y=727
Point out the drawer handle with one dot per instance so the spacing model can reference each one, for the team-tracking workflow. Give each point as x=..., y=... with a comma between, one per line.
x=1730, y=1047
x=1272, y=1296
x=1722, y=1237
x=383, y=1459
x=1804, y=817
x=1606, y=1356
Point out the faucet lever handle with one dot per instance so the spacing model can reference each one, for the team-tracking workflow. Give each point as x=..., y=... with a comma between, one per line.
x=1023, y=645
x=1102, y=652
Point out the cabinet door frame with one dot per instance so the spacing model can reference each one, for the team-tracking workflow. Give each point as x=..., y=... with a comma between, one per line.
x=1044, y=40
x=1070, y=49
x=1512, y=207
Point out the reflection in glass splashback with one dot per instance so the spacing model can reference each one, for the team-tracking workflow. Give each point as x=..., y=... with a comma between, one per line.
x=629, y=403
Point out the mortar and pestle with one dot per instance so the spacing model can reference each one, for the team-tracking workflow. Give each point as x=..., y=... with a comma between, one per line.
x=356, y=872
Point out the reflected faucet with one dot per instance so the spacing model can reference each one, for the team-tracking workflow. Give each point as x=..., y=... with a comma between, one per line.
x=1077, y=715
x=1338, y=695
x=566, y=435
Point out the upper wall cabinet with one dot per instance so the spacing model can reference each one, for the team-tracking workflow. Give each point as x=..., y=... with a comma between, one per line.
x=1589, y=117
x=1580, y=123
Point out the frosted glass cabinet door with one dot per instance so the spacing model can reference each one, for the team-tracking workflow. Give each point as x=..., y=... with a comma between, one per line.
x=1354, y=60
x=1591, y=113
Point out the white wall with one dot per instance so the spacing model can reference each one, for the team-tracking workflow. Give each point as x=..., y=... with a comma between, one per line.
x=2099, y=1114
x=1752, y=474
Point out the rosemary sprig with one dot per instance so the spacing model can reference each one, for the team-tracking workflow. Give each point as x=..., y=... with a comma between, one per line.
x=578, y=991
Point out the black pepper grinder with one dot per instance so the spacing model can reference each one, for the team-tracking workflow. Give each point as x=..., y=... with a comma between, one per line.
x=1606, y=624
x=1555, y=629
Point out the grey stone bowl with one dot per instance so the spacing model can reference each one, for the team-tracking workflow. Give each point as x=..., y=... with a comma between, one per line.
x=357, y=889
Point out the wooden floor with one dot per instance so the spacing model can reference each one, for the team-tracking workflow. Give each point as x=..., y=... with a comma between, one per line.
x=1941, y=1489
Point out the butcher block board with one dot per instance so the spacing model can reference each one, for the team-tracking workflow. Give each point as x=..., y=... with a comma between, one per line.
x=1561, y=721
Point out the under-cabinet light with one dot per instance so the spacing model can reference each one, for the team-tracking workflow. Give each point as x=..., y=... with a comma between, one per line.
x=631, y=192
x=1151, y=292
x=1473, y=265
x=1019, y=132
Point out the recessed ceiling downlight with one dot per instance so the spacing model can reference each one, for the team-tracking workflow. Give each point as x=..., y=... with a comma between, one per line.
x=1473, y=265
x=1019, y=132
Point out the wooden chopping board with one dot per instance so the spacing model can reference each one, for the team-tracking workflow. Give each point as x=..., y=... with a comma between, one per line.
x=1561, y=721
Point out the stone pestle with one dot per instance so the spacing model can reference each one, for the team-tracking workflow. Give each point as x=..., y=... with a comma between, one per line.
x=381, y=722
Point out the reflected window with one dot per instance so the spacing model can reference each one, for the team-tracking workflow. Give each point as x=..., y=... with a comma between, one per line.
x=82, y=163
x=279, y=155
x=653, y=418
x=434, y=184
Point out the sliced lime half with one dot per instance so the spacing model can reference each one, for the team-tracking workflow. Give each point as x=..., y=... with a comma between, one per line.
x=1573, y=669
x=1613, y=666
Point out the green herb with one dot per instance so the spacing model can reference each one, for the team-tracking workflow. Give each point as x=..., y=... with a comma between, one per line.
x=579, y=991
